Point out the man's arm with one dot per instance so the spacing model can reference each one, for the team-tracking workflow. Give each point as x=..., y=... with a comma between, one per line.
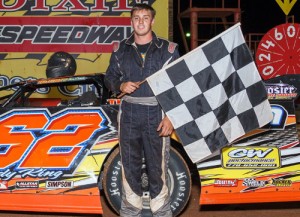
x=113, y=76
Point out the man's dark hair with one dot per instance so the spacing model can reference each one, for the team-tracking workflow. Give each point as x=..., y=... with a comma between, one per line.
x=138, y=7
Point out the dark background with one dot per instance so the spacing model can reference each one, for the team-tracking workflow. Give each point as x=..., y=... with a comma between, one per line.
x=258, y=16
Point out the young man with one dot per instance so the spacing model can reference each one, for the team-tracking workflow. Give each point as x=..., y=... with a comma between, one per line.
x=143, y=129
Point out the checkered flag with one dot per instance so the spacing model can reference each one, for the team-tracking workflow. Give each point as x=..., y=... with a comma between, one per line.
x=213, y=94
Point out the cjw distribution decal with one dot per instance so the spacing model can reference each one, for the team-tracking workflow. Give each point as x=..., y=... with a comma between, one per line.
x=250, y=157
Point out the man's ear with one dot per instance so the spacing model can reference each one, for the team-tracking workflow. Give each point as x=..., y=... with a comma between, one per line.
x=152, y=22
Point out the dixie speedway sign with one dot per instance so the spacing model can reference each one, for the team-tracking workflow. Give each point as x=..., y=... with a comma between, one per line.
x=32, y=30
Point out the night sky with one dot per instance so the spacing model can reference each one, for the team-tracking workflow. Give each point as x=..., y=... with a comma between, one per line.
x=258, y=16
x=263, y=15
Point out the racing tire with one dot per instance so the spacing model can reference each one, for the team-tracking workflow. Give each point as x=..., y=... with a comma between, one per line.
x=179, y=182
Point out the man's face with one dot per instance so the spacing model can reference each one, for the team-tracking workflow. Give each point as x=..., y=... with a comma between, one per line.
x=142, y=22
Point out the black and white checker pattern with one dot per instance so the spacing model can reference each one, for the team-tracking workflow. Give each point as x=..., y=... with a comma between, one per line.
x=213, y=94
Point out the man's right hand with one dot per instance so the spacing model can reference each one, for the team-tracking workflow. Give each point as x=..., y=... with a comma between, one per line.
x=129, y=87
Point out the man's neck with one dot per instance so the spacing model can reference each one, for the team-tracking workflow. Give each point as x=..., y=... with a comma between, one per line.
x=145, y=39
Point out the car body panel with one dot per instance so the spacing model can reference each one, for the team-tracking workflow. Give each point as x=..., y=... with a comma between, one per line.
x=52, y=152
x=264, y=168
x=51, y=155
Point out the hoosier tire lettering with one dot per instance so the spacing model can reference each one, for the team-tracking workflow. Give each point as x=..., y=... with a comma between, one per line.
x=115, y=181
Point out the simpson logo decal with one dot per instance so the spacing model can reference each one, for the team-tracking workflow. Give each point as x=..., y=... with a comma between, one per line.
x=250, y=157
x=27, y=184
x=30, y=135
x=59, y=184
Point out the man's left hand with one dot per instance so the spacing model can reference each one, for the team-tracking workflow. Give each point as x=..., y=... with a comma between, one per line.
x=165, y=127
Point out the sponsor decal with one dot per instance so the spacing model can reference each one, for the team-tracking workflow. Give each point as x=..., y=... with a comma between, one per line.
x=225, y=183
x=114, y=101
x=254, y=183
x=27, y=184
x=250, y=158
x=281, y=91
x=281, y=182
x=59, y=184
x=3, y=185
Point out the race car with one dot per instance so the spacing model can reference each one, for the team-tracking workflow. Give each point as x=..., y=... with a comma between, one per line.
x=57, y=153
x=61, y=154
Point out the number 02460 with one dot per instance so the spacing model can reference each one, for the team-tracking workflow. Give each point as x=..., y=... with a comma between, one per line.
x=278, y=52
